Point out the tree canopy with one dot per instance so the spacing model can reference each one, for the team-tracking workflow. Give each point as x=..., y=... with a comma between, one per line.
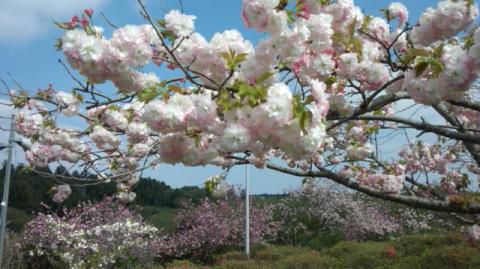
x=319, y=96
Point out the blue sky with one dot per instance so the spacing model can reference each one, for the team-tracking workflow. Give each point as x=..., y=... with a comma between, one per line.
x=27, y=52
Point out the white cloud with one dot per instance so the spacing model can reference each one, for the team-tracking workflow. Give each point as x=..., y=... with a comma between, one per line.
x=24, y=20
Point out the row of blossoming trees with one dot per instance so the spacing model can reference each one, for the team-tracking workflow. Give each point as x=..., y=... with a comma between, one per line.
x=317, y=97
x=109, y=234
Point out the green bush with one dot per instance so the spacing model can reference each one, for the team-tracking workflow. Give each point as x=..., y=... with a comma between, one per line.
x=244, y=264
x=435, y=251
x=361, y=255
x=271, y=257
x=308, y=260
x=417, y=244
x=161, y=217
x=450, y=257
x=17, y=218
x=325, y=240
x=182, y=264
x=275, y=253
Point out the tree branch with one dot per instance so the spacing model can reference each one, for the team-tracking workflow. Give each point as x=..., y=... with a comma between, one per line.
x=417, y=202
x=466, y=104
x=425, y=127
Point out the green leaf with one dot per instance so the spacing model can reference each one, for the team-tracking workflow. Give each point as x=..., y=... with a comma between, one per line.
x=329, y=81
x=290, y=16
x=244, y=90
x=309, y=100
x=468, y=42
x=240, y=58
x=355, y=45
x=232, y=59
x=303, y=121
x=89, y=30
x=436, y=66
x=63, y=25
x=229, y=60
x=325, y=2
x=411, y=54
x=58, y=44
x=175, y=88
x=423, y=63
x=301, y=112
x=365, y=23
x=225, y=102
x=420, y=68
x=300, y=5
x=79, y=97
x=263, y=77
x=148, y=94
x=113, y=108
x=438, y=51
x=169, y=35
x=196, y=137
x=162, y=23
x=386, y=13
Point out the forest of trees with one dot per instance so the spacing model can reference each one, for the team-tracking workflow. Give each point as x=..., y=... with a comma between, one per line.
x=29, y=192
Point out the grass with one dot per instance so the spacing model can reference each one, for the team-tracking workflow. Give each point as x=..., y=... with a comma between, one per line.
x=161, y=217
x=16, y=219
x=431, y=251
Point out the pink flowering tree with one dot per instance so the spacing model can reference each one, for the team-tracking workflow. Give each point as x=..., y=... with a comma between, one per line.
x=214, y=226
x=319, y=96
x=108, y=234
x=316, y=210
x=92, y=235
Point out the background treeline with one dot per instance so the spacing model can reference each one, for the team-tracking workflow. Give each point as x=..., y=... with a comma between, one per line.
x=30, y=192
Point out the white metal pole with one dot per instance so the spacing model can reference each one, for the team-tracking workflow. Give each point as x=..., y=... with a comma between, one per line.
x=247, y=213
x=6, y=188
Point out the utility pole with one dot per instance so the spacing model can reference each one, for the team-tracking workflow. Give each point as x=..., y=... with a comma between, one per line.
x=6, y=188
x=247, y=213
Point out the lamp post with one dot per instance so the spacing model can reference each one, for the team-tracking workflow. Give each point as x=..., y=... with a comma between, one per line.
x=6, y=187
x=247, y=213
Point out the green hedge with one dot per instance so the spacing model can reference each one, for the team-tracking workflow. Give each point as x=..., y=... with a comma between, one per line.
x=440, y=251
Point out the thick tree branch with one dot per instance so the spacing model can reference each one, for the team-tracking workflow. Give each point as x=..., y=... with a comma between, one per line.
x=425, y=127
x=473, y=149
x=471, y=105
x=375, y=104
x=412, y=201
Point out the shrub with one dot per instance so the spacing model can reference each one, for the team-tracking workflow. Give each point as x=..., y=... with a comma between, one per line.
x=416, y=244
x=183, y=264
x=308, y=260
x=278, y=257
x=276, y=253
x=211, y=227
x=244, y=264
x=361, y=255
x=325, y=240
x=17, y=218
x=450, y=257
x=13, y=256
x=160, y=217
x=316, y=210
x=90, y=235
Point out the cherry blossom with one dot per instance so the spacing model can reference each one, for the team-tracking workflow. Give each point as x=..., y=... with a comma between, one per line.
x=322, y=94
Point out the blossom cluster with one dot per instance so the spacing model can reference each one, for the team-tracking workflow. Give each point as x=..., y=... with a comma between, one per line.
x=108, y=234
x=211, y=226
x=285, y=97
x=353, y=216
x=89, y=235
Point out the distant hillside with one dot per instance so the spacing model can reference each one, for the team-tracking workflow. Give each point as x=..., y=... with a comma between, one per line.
x=28, y=191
